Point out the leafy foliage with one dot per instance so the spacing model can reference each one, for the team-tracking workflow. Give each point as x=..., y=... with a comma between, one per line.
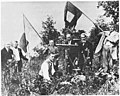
x=111, y=9
x=49, y=33
x=29, y=82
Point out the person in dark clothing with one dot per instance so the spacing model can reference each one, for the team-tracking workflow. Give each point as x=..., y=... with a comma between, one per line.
x=6, y=55
x=75, y=50
x=72, y=52
x=18, y=56
x=69, y=65
x=86, y=52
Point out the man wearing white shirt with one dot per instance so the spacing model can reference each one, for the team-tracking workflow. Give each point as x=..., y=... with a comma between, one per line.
x=18, y=55
x=110, y=49
x=47, y=67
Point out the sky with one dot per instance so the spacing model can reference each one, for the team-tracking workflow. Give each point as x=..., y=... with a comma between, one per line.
x=36, y=12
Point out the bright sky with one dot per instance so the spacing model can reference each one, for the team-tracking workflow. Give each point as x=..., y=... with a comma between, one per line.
x=36, y=12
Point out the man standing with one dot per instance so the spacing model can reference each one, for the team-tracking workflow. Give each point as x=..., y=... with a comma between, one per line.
x=86, y=52
x=18, y=56
x=69, y=65
x=110, y=49
x=52, y=49
x=6, y=55
x=68, y=39
x=71, y=53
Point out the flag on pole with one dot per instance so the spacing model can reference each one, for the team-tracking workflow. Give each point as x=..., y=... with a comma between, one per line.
x=23, y=42
x=100, y=44
x=71, y=15
x=31, y=34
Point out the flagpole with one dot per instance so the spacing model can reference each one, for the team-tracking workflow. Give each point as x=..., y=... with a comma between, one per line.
x=92, y=21
x=24, y=31
x=23, y=23
x=98, y=48
x=86, y=16
x=28, y=51
x=32, y=27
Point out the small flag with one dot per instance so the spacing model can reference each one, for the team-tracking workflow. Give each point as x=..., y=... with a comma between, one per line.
x=71, y=15
x=23, y=42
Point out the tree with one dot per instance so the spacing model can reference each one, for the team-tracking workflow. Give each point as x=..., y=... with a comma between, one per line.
x=111, y=9
x=101, y=22
x=49, y=33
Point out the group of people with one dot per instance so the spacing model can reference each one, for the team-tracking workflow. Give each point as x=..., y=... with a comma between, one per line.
x=79, y=53
x=11, y=56
x=77, y=57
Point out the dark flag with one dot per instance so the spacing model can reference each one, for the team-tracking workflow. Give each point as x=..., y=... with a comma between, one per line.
x=71, y=11
x=23, y=42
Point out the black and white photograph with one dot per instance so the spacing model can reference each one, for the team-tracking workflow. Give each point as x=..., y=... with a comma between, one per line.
x=59, y=48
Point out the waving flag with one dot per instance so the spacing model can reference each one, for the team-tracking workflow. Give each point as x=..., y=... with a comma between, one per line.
x=71, y=15
x=23, y=42
x=100, y=44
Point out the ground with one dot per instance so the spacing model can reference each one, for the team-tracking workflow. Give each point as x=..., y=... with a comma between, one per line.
x=28, y=82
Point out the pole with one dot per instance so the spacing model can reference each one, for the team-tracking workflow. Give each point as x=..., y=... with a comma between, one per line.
x=23, y=23
x=31, y=26
x=98, y=48
x=92, y=22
